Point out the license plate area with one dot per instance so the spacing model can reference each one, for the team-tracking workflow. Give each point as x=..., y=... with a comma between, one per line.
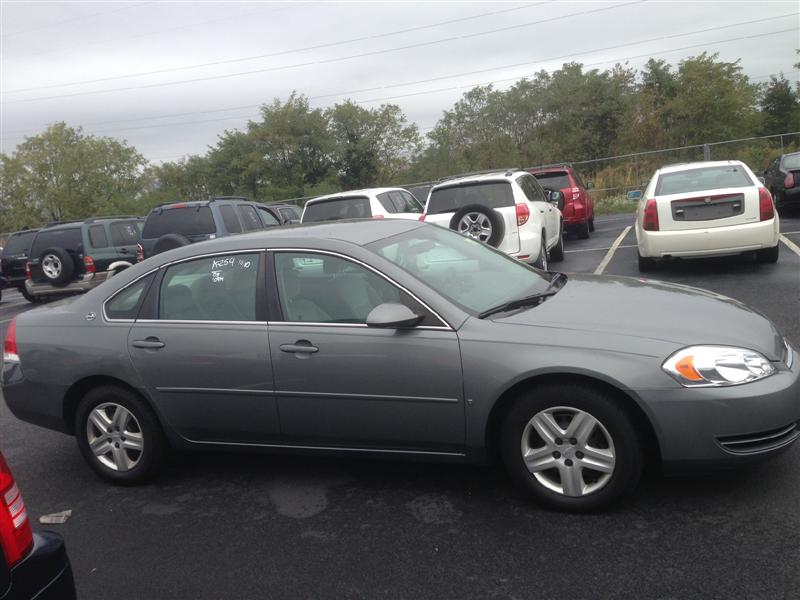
x=707, y=208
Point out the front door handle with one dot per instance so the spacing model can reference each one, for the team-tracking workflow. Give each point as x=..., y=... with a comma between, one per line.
x=151, y=343
x=302, y=346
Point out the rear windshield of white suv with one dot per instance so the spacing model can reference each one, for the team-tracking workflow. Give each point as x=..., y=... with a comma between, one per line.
x=346, y=207
x=556, y=181
x=495, y=194
x=704, y=179
x=188, y=220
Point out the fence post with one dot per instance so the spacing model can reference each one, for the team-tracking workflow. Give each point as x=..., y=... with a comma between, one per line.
x=706, y=152
x=781, y=143
x=636, y=161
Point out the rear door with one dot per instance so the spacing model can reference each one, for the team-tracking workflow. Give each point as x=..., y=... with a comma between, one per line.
x=124, y=235
x=400, y=204
x=68, y=239
x=15, y=254
x=706, y=197
x=550, y=215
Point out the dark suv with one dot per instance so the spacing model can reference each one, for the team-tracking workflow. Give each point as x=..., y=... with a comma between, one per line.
x=76, y=256
x=578, y=208
x=14, y=258
x=282, y=212
x=782, y=179
x=172, y=225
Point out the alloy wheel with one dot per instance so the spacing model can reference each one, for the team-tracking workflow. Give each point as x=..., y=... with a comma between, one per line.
x=51, y=265
x=476, y=225
x=115, y=437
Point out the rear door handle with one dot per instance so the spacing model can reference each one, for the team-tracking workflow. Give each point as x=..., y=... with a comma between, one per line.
x=150, y=343
x=300, y=346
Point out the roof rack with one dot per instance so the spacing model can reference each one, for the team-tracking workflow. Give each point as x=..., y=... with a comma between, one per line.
x=93, y=219
x=507, y=171
x=215, y=198
x=563, y=165
x=54, y=223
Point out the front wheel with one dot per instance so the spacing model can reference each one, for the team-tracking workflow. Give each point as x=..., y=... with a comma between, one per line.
x=571, y=447
x=119, y=435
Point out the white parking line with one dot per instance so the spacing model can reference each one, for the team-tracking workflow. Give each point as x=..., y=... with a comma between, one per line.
x=790, y=244
x=791, y=232
x=599, y=249
x=610, y=254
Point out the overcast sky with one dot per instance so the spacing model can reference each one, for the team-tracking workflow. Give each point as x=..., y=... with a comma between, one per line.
x=140, y=70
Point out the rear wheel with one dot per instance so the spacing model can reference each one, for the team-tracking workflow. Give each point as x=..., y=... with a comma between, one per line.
x=480, y=223
x=768, y=255
x=542, y=261
x=571, y=447
x=583, y=231
x=557, y=253
x=591, y=223
x=57, y=266
x=169, y=241
x=119, y=435
x=646, y=264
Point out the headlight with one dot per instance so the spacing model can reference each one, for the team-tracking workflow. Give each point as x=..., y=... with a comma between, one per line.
x=717, y=366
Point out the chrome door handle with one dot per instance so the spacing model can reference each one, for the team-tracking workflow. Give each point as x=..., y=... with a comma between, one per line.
x=149, y=343
x=301, y=346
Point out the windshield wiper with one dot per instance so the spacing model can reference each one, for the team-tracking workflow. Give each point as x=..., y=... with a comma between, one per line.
x=555, y=279
x=532, y=300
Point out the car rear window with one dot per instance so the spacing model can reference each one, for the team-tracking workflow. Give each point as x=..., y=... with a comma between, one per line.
x=187, y=220
x=791, y=161
x=19, y=243
x=495, y=194
x=125, y=233
x=347, y=207
x=703, y=179
x=69, y=239
x=555, y=180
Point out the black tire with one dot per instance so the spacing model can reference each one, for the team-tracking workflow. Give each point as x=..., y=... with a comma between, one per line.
x=768, y=255
x=544, y=256
x=557, y=253
x=616, y=424
x=169, y=241
x=495, y=219
x=591, y=224
x=646, y=264
x=582, y=231
x=67, y=266
x=154, y=446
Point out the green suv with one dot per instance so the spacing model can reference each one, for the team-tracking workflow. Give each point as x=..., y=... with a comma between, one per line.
x=76, y=256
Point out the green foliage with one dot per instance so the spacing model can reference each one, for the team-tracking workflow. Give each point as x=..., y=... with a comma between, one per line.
x=780, y=107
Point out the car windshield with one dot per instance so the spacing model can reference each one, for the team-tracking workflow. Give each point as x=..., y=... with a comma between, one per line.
x=347, y=207
x=557, y=180
x=19, y=243
x=791, y=161
x=466, y=272
x=699, y=180
x=186, y=220
x=494, y=194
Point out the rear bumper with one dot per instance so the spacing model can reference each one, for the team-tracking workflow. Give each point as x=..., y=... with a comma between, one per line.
x=45, y=574
x=84, y=284
x=713, y=241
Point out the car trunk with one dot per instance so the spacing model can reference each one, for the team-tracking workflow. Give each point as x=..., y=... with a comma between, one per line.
x=711, y=208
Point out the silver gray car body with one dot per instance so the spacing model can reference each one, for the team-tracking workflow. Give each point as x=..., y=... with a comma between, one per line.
x=434, y=391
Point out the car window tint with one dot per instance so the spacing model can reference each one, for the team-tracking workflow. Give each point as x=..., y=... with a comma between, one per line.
x=791, y=161
x=230, y=219
x=530, y=188
x=249, y=218
x=289, y=214
x=386, y=202
x=218, y=288
x=69, y=239
x=125, y=233
x=98, y=237
x=320, y=288
x=125, y=304
x=404, y=202
x=705, y=178
x=496, y=194
x=19, y=243
x=184, y=220
x=556, y=180
x=349, y=207
x=268, y=218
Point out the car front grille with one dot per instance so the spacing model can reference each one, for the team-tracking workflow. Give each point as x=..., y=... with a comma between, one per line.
x=763, y=441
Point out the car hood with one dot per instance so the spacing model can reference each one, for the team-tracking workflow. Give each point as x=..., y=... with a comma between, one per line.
x=655, y=310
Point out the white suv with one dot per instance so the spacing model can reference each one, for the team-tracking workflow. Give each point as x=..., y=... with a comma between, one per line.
x=372, y=203
x=508, y=210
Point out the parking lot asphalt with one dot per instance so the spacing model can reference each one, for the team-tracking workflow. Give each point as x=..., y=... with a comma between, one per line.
x=250, y=526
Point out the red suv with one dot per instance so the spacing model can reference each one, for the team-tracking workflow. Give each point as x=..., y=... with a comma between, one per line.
x=578, y=208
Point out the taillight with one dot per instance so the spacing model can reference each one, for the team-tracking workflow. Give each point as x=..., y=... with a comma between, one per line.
x=377, y=216
x=422, y=216
x=522, y=214
x=651, y=216
x=765, y=206
x=28, y=274
x=88, y=264
x=576, y=193
x=139, y=252
x=15, y=528
x=10, y=353
x=789, y=181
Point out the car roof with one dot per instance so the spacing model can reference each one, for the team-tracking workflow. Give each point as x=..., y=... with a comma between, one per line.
x=497, y=176
x=361, y=192
x=698, y=165
x=550, y=169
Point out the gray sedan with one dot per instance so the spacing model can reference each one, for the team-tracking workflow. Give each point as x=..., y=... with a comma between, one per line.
x=398, y=338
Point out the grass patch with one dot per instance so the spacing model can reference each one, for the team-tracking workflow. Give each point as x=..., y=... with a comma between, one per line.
x=614, y=205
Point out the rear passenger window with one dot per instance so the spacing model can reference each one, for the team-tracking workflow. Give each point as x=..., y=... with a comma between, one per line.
x=124, y=233
x=97, y=236
x=268, y=218
x=125, y=305
x=404, y=202
x=531, y=188
x=249, y=218
x=289, y=214
x=219, y=288
x=230, y=219
x=386, y=202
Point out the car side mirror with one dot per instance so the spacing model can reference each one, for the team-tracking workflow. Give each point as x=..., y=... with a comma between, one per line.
x=557, y=198
x=635, y=195
x=391, y=315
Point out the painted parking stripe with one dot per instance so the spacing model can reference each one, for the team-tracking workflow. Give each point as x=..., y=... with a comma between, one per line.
x=790, y=244
x=610, y=254
x=606, y=249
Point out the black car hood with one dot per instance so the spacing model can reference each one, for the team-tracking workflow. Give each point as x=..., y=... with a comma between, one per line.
x=657, y=310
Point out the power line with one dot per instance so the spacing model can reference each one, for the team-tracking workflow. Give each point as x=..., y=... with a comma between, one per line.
x=78, y=18
x=324, y=61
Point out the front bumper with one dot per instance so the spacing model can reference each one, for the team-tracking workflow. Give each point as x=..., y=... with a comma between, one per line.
x=84, y=284
x=701, y=428
x=712, y=241
x=46, y=573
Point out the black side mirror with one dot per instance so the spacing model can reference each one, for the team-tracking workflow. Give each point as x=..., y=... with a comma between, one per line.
x=557, y=198
x=391, y=315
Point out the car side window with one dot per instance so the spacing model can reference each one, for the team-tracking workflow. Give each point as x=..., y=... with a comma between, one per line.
x=98, y=237
x=217, y=288
x=125, y=233
x=249, y=218
x=533, y=192
x=404, y=202
x=289, y=214
x=125, y=304
x=320, y=288
x=386, y=202
x=230, y=219
x=268, y=218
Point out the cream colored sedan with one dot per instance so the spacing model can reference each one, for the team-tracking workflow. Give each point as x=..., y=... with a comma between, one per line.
x=705, y=209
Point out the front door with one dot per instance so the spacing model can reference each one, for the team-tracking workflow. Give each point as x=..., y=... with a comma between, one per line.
x=340, y=383
x=205, y=357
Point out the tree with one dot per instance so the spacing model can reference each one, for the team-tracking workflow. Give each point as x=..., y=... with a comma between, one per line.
x=780, y=107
